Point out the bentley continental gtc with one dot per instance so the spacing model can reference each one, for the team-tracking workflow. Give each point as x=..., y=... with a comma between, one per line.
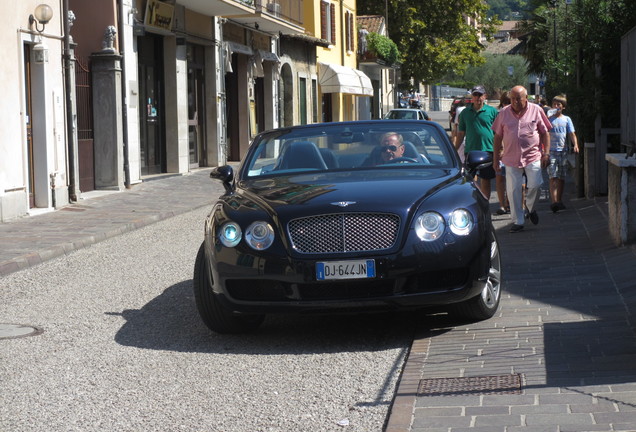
x=347, y=217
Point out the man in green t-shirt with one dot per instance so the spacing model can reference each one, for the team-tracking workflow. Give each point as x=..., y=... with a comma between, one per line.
x=475, y=123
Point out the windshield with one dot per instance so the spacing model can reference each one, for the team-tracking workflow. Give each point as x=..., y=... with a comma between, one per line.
x=402, y=115
x=367, y=146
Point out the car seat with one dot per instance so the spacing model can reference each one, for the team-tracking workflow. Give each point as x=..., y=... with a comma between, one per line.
x=411, y=152
x=301, y=154
x=328, y=157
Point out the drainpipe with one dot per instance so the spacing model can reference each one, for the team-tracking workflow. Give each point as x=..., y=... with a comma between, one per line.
x=70, y=121
x=124, y=98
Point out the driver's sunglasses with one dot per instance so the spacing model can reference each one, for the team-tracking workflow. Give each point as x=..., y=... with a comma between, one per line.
x=390, y=147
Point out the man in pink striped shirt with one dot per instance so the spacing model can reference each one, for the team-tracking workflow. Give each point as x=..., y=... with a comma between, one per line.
x=521, y=129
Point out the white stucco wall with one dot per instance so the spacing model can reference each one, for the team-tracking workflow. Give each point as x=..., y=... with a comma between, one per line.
x=48, y=120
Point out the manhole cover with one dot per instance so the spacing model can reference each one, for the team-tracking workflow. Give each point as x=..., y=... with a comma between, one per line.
x=479, y=385
x=12, y=331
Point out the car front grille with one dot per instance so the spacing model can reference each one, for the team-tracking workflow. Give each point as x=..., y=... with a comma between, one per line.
x=344, y=232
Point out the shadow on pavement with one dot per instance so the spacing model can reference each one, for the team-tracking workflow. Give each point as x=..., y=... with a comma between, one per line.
x=171, y=322
x=565, y=286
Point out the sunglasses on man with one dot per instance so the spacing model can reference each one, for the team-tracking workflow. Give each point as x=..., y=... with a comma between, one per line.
x=390, y=148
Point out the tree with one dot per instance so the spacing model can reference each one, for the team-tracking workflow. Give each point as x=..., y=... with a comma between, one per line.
x=569, y=43
x=499, y=73
x=434, y=37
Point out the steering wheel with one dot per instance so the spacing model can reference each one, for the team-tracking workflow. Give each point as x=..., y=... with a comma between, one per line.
x=402, y=159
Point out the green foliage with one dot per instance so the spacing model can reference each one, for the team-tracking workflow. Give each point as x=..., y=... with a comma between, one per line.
x=383, y=47
x=433, y=37
x=498, y=73
x=588, y=34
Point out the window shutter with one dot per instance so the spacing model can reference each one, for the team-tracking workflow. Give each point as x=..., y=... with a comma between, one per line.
x=333, y=24
x=351, y=32
x=323, y=20
x=348, y=32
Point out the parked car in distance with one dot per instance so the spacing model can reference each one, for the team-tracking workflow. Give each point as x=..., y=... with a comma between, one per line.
x=333, y=217
x=406, y=114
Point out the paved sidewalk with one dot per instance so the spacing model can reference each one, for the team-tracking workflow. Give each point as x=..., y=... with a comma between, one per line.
x=559, y=356
x=31, y=240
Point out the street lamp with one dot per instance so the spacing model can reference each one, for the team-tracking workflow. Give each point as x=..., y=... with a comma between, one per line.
x=41, y=16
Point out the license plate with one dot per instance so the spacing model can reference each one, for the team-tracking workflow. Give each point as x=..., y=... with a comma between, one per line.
x=359, y=269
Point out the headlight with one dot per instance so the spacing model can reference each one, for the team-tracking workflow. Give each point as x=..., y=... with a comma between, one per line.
x=259, y=235
x=230, y=234
x=429, y=226
x=461, y=222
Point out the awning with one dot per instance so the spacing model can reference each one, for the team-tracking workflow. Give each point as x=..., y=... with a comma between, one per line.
x=334, y=78
x=257, y=63
x=233, y=47
x=239, y=48
x=268, y=56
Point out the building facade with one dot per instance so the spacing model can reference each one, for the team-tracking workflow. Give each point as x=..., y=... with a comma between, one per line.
x=383, y=76
x=342, y=88
x=132, y=89
x=33, y=166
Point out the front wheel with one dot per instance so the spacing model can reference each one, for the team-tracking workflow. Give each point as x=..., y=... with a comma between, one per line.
x=215, y=315
x=486, y=303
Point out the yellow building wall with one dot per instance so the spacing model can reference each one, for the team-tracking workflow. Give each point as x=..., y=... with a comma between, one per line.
x=344, y=105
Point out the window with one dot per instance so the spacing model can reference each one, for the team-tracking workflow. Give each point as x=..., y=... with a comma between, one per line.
x=328, y=22
x=302, y=96
x=349, y=31
x=314, y=100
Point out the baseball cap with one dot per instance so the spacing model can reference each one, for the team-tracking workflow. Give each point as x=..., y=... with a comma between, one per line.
x=478, y=89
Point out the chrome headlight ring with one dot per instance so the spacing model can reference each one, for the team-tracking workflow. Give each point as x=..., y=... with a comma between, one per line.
x=461, y=222
x=259, y=235
x=430, y=225
x=230, y=234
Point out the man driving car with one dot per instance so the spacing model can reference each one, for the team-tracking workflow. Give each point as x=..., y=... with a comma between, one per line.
x=392, y=145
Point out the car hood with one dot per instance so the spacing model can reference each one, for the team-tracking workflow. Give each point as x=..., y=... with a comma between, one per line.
x=394, y=191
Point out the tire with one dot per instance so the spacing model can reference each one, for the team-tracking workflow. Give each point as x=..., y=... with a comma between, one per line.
x=214, y=314
x=485, y=305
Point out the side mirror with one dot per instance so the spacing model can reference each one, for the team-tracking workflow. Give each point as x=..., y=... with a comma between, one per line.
x=225, y=173
x=476, y=160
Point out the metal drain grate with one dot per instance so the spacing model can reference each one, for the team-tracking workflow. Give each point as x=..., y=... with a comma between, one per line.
x=479, y=385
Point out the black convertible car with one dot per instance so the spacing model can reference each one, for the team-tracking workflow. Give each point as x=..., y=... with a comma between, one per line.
x=353, y=216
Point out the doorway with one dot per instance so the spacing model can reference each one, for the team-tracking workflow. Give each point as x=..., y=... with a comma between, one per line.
x=29, y=125
x=327, y=108
x=287, y=100
x=259, y=101
x=85, y=144
x=232, y=112
x=196, y=106
x=151, y=112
